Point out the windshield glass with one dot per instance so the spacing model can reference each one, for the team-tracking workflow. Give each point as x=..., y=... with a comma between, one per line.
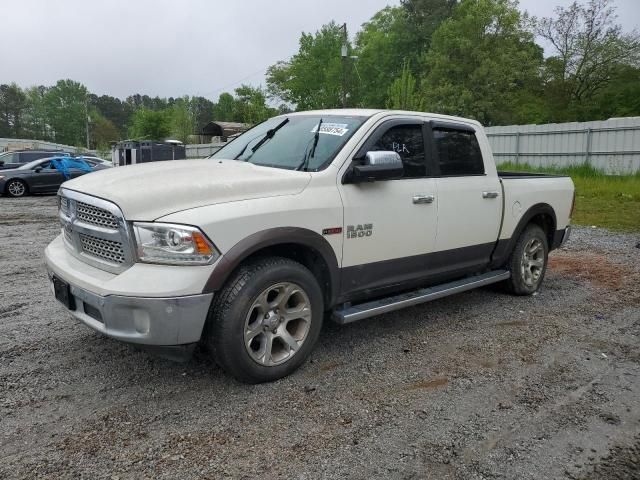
x=293, y=141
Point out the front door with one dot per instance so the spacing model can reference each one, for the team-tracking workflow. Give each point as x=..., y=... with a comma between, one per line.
x=390, y=226
x=46, y=178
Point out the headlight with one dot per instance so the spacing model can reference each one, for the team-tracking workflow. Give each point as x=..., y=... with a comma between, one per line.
x=173, y=244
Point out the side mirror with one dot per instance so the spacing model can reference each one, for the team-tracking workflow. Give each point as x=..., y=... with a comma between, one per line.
x=379, y=165
x=37, y=169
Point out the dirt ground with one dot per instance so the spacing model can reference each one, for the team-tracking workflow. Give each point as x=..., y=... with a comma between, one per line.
x=480, y=385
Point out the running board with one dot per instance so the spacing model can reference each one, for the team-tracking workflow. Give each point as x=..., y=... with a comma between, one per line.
x=377, y=307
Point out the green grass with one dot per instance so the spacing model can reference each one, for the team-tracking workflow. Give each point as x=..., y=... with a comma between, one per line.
x=609, y=201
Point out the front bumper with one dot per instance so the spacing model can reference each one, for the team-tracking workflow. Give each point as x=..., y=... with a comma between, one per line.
x=144, y=320
x=147, y=304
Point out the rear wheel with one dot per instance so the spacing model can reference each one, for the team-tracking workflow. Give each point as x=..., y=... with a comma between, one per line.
x=528, y=261
x=266, y=320
x=16, y=188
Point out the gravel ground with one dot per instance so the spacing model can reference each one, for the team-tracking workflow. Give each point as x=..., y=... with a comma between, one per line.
x=480, y=385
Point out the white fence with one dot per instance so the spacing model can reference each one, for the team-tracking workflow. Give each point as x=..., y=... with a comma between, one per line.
x=201, y=150
x=611, y=145
x=20, y=143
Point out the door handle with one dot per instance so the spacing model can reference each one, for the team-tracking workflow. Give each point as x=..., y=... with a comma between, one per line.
x=489, y=194
x=420, y=199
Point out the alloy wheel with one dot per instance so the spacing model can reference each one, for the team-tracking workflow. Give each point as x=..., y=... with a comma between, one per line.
x=532, y=263
x=277, y=324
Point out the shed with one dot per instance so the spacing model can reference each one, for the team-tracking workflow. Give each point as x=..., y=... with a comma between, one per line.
x=130, y=152
x=222, y=130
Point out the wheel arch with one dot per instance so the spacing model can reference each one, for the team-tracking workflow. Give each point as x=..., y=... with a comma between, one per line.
x=299, y=244
x=19, y=179
x=541, y=214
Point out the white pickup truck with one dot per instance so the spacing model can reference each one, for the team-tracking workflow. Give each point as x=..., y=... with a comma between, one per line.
x=341, y=213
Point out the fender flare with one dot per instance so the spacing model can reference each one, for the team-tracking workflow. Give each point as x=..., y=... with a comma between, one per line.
x=504, y=247
x=255, y=242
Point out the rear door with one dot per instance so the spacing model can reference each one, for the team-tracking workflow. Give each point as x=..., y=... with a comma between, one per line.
x=469, y=200
x=390, y=225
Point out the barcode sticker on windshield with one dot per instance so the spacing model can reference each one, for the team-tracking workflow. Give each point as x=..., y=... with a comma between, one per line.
x=338, y=129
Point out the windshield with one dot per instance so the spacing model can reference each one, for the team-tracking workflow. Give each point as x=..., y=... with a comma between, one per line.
x=293, y=142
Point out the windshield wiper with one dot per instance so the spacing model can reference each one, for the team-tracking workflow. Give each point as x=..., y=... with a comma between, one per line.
x=312, y=153
x=267, y=136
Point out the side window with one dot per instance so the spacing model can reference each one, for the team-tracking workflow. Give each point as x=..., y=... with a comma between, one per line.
x=27, y=157
x=458, y=152
x=408, y=142
x=10, y=158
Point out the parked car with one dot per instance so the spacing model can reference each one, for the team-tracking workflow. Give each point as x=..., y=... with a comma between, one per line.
x=15, y=159
x=348, y=212
x=38, y=176
x=94, y=161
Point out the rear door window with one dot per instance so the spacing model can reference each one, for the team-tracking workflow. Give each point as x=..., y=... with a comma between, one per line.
x=458, y=152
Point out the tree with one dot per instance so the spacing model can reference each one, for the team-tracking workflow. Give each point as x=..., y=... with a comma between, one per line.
x=313, y=76
x=36, y=118
x=482, y=62
x=114, y=110
x=202, y=111
x=181, y=120
x=250, y=105
x=223, y=110
x=13, y=103
x=403, y=94
x=66, y=109
x=589, y=49
x=150, y=125
x=103, y=131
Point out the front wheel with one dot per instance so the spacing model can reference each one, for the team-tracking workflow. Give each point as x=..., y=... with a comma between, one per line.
x=266, y=320
x=528, y=261
x=16, y=188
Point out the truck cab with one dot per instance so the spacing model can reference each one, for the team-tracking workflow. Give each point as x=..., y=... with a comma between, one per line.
x=340, y=214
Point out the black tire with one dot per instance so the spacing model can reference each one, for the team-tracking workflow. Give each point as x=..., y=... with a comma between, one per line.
x=21, y=188
x=233, y=309
x=520, y=282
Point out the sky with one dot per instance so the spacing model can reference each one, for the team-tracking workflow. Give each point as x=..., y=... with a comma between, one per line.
x=175, y=48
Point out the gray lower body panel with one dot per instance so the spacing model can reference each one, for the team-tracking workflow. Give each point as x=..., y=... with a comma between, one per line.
x=143, y=320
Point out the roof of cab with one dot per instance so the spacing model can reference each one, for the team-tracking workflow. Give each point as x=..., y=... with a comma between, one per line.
x=370, y=112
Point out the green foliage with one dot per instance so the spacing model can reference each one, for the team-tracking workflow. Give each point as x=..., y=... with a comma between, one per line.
x=182, y=125
x=223, y=111
x=403, y=94
x=102, y=131
x=481, y=60
x=66, y=108
x=150, y=125
x=610, y=201
x=12, y=105
x=313, y=77
x=474, y=58
x=589, y=51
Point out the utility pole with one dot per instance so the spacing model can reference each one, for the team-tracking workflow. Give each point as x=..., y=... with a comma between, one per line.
x=345, y=59
x=86, y=117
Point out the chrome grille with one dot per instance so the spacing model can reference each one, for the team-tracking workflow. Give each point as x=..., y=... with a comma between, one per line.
x=96, y=216
x=95, y=232
x=68, y=232
x=105, y=249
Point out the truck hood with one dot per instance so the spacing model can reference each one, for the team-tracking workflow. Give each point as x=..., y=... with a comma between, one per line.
x=151, y=190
